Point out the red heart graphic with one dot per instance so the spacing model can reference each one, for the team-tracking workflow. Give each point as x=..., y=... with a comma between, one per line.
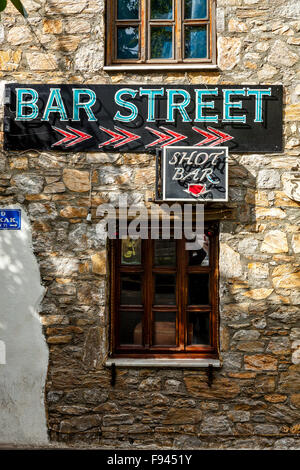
x=196, y=189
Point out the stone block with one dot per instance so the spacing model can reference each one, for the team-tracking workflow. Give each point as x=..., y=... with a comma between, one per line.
x=99, y=262
x=230, y=262
x=80, y=424
x=260, y=362
x=221, y=387
x=229, y=52
x=116, y=420
x=183, y=416
x=41, y=61
x=76, y=180
x=275, y=241
x=52, y=26
x=268, y=179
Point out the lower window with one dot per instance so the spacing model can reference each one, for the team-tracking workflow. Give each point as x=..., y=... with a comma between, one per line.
x=164, y=298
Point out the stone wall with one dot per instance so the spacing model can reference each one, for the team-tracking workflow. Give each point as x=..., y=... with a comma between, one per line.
x=255, y=397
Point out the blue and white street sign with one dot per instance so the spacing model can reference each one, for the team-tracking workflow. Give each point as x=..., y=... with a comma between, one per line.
x=10, y=219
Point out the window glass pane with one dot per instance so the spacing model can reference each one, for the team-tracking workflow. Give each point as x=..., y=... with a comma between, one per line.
x=165, y=252
x=200, y=257
x=131, y=328
x=131, y=289
x=128, y=42
x=161, y=9
x=165, y=286
x=198, y=289
x=198, y=328
x=128, y=9
x=195, y=9
x=164, y=328
x=195, y=46
x=161, y=42
x=131, y=251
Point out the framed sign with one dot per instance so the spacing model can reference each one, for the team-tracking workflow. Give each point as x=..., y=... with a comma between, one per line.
x=193, y=174
x=142, y=118
x=10, y=219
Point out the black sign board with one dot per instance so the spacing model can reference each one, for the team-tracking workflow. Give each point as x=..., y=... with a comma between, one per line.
x=194, y=174
x=142, y=118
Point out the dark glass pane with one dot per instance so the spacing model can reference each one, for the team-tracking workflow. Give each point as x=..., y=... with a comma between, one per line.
x=161, y=9
x=198, y=328
x=200, y=257
x=131, y=330
x=195, y=9
x=198, y=289
x=161, y=42
x=165, y=286
x=165, y=252
x=128, y=43
x=128, y=9
x=131, y=251
x=195, y=42
x=164, y=328
x=131, y=289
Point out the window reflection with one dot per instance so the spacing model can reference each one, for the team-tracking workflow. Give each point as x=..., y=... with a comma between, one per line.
x=198, y=328
x=198, y=289
x=131, y=289
x=195, y=9
x=195, y=46
x=164, y=328
x=161, y=42
x=128, y=43
x=161, y=9
x=131, y=328
x=165, y=285
x=165, y=253
x=200, y=257
x=128, y=9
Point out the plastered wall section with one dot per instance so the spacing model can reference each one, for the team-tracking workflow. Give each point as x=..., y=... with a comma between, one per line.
x=23, y=350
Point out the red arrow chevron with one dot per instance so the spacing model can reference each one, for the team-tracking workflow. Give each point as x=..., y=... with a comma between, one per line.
x=212, y=137
x=224, y=137
x=209, y=137
x=115, y=137
x=130, y=137
x=162, y=137
x=67, y=137
x=177, y=137
x=79, y=136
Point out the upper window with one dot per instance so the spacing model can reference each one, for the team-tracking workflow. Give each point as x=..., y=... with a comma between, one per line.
x=164, y=298
x=160, y=32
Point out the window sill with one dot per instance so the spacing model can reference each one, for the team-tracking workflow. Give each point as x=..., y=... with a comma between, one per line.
x=169, y=363
x=152, y=67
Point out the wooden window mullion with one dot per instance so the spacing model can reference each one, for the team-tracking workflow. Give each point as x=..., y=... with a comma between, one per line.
x=178, y=53
x=148, y=291
x=143, y=30
x=181, y=291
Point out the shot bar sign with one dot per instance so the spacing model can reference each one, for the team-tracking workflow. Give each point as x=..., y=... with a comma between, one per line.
x=193, y=174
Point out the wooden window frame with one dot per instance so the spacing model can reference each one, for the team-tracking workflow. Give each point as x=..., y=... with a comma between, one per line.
x=181, y=350
x=144, y=23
